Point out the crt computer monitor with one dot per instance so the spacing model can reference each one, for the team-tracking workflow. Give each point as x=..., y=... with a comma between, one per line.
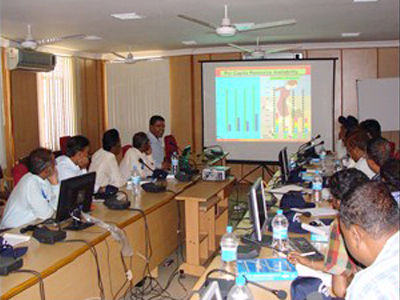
x=76, y=195
x=258, y=210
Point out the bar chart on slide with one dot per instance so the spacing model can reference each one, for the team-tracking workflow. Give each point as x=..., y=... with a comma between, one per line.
x=238, y=109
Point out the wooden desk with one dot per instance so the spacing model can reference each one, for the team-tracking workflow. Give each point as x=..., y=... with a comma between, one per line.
x=206, y=218
x=69, y=270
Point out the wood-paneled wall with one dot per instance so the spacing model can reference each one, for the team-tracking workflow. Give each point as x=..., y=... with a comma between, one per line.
x=352, y=65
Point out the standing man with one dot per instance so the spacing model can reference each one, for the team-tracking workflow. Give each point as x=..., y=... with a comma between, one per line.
x=75, y=161
x=156, y=132
x=369, y=221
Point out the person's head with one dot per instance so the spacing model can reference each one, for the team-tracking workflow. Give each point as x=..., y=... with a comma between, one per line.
x=372, y=127
x=343, y=182
x=378, y=152
x=368, y=217
x=77, y=148
x=141, y=142
x=41, y=162
x=112, y=141
x=390, y=174
x=347, y=124
x=356, y=144
x=157, y=126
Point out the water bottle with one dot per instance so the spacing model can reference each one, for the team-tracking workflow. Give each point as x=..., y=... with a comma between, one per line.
x=240, y=291
x=136, y=189
x=174, y=163
x=317, y=187
x=229, y=245
x=292, y=164
x=322, y=153
x=280, y=225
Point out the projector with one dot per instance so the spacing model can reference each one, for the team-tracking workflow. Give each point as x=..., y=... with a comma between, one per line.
x=216, y=173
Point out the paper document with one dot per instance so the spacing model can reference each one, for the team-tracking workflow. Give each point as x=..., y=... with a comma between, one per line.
x=320, y=230
x=15, y=239
x=308, y=272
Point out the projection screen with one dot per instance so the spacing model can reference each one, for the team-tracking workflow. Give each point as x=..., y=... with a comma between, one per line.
x=253, y=109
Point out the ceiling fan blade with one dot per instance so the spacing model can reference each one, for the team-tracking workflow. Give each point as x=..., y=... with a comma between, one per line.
x=59, y=39
x=240, y=48
x=119, y=55
x=270, y=25
x=11, y=40
x=281, y=50
x=148, y=59
x=209, y=25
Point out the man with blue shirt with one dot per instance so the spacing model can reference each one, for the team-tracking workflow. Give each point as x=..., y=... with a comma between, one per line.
x=36, y=195
x=156, y=132
x=369, y=222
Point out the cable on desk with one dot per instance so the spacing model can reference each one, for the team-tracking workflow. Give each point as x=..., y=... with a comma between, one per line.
x=96, y=258
x=41, y=283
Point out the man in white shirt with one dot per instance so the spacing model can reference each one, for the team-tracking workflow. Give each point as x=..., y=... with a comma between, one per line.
x=104, y=161
x=36, y=195
x=369, y=222
x=75, y=161
x=378, y=153
x=141, y=150
x=347, y=124
x=356, y=144
x=156, y=132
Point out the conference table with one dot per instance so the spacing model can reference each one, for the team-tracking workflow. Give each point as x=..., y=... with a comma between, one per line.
x=69, y=268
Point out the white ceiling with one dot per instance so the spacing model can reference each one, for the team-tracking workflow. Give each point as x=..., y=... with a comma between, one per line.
x=317, y=21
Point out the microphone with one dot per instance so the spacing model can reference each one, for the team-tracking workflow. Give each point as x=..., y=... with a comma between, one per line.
x=280, y=294
x=310, y=142
x=143, y=163
x=171, y=143
x=157, y=173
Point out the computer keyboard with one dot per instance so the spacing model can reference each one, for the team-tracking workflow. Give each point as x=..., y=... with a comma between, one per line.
x=302, y=245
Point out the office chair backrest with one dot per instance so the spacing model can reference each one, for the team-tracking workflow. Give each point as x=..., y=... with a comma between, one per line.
x=63, y=143
x=125, y=148
x=171, y=146
x=20, y=169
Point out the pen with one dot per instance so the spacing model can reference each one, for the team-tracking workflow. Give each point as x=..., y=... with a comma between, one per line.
x=307, y=254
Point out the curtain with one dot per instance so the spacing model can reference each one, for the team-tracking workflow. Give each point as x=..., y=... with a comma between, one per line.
x=3, y=162
x=56, y=101
x=135, y=92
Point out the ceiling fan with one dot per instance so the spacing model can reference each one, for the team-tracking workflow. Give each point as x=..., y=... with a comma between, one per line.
x=228, y=29
x=258, y=52
x=31, y=44
x=130, y=59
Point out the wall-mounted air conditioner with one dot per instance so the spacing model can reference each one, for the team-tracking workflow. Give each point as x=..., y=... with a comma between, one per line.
x=29, y=60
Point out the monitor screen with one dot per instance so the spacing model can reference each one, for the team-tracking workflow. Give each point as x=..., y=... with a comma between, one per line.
x=258, y=209
x=75, y=193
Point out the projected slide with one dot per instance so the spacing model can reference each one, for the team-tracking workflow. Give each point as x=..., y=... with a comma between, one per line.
x=263, y=103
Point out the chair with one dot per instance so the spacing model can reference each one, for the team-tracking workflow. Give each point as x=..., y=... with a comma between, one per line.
x=20, y=169
x=171, y=146
x=125, y=148
x=63, y=143
x=6, y=184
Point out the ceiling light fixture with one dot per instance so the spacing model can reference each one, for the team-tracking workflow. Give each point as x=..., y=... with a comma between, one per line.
x=127, y=16
x=364, y=1
x=189, y=43
x=350, y=34
x=92, y=38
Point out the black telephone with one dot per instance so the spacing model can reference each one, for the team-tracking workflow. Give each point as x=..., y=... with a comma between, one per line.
x=110, y=191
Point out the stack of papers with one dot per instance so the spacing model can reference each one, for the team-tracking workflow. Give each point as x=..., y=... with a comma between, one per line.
x=14, y=239
x=318, y=211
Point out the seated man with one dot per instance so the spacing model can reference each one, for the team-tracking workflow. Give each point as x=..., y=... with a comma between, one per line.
x=369, y=222
x=75, y=161
x=141, y=150
x=336, y=262
x=372, y=127
x=36, y=195
x=390, y=175
x=156, y=132
x=356, y=145
x=346, y=126
x=378, y=152
x=104, y=161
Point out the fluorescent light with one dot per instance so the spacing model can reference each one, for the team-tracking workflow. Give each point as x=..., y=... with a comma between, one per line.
x=92, y=38
x=350, y=34
x=189, y=43
x=127, y=16
x=364, y=1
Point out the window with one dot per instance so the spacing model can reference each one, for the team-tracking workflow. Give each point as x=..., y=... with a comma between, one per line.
x=56, y=101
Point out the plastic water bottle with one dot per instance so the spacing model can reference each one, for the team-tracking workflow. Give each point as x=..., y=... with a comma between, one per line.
x=280, y=225
x=174, y=163
x=240, y=291
x=136, y=189
x=322, y=153
x=317, y=187
x=229, y=245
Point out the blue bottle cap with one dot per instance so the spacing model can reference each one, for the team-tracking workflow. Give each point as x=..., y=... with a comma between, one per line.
x=229, y=229
x=240, y=280
x=279, y=212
